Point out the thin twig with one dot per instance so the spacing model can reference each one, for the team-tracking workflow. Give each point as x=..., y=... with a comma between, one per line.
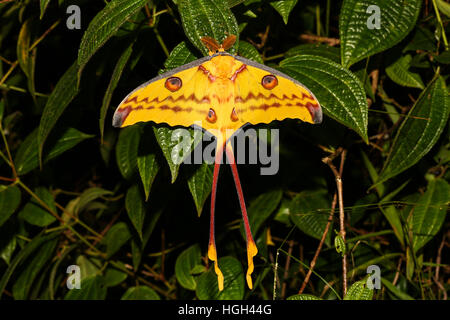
x=438, y=262
x=286, y=269
x=319, y=248
x=338, y=177
x=313, y=38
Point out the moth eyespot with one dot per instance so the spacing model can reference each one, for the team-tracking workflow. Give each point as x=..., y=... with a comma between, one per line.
x=234, y=116
x=211, y=117
x=173, y=84
x=269, y=81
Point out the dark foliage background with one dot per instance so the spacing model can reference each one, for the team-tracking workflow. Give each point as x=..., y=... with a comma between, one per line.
x=76, y=191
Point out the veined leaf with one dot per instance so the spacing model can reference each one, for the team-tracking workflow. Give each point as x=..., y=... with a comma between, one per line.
x=398, y=72
x=420, y=130
x=148, y=168
x=359, y=35
x=117, y=73
x=140, y=293
x=92, y=288
x=305, y=215
x=9, y=201
x=303, y=297
x=186, y=261
x=65, y=90
x=104, y=25
x=127, y=150
x=34, y=213
x=210, y=18
x=248, y=51
x=359, y=291
x=179, y=56
x=88, y=196
x=117, y=236
x=284, y=8
x=135, y=207
x=200, y=184
x=233, y=289
x=322, y=50
x=430, y=212
x=27, y=159
x=338, y=90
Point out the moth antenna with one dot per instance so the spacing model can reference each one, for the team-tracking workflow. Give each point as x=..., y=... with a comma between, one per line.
x=229, y=42
x=212, y=251
x=211, y=44
x=251, y=246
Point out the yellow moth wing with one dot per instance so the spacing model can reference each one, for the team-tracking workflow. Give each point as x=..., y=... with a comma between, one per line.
x=153, y=101
x=287, y=99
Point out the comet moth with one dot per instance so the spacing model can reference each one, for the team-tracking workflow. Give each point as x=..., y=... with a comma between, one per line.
x=224, y=92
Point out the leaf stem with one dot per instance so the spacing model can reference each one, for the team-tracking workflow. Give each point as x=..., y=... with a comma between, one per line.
x=438, y=16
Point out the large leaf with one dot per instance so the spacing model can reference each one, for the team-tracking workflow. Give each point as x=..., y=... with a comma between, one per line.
x=359, y=291
x=261, y=208
x=34, y=213
x=92, y=288
x=315, y=49
x=24, y=282
x=117, y=236
x=65, y=90
x=338, y=90
x=200, y=184
x=420, y=130
x=186, y=261
x=308, y=212
x=284, y=8
x=248, y=51
x=358, y=41
x=135, y=207
x=127, y=150
x=104, y=25
x=27, y=159
x=207, y=287
x=430, y=212
x=210, y=18
x=117, y=73
x=398, y=72
x=9, y=201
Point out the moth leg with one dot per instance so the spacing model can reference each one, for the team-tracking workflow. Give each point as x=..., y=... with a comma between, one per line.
x=251, y=246
x=212, y=252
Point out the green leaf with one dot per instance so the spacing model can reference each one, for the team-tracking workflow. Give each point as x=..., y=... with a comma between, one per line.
x=89, y=267
x=186, y=261
x=148, y=166
x=87, y=197
x=444, y=7
x=398, y=72
x=303, y=297
x=29, y=248
x=284, y=8
x=117, y=73
x=65, y=90
x=308, y=211
x=92, y=288
x=179, y=56
x=200, y=184
x=140, y=293
x=9, y=201
x=24, y=282
x=114, y=276
x=103, y=26
x=321, y=50
x=176, y=146
x=27, y=159
x=359, y=291
x=397, y=19
x=261, y=208
x=210, y=18
x=43, y=4
x=397, y=292
x=416, y=136
x=338, y=90
x=136, y=208
x=207, y=287
x=117, y=236
x=34, y=213
x=430, y=212
x=127, y=150
x=248, y=51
